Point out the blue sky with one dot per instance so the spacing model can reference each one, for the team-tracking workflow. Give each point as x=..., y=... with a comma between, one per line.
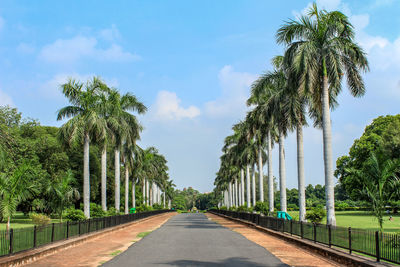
x=191, y=63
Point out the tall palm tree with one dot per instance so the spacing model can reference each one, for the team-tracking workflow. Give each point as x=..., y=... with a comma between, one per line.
x=86, y=123
x=125, y=128
x=321, y=49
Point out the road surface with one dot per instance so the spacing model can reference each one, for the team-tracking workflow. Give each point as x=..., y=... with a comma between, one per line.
x=193, y=240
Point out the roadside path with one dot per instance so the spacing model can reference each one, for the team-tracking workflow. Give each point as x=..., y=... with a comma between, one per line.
x=101, y=249
x=286, y=252
x=193, y=240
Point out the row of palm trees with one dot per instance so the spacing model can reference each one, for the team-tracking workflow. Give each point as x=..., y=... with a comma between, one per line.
x=100, y=114
x=320, y=52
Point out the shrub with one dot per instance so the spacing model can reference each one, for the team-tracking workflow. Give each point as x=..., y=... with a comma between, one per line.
x=342, y=206
x=261, y=207
x=242, y=208
x=292, y=206
x=316, y=214
x=39, y=219
x=112, y=212
x=75, y=215
x=158, y=206
x=143, y=208
x=96, y=211
x=223, y=208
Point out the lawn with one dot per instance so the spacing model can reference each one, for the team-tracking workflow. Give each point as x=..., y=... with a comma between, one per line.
x=362, y=220
x=21, y=221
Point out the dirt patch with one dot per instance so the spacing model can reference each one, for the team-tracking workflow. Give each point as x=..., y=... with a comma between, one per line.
x=286, y=252
x=100, y=250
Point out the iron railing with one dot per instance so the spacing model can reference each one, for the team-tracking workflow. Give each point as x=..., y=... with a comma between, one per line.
x=379, y=245
x=17, y=240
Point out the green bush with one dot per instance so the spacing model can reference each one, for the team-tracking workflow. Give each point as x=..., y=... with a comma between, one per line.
x=143, y=208
x=242, y=208
x=261, y=207
x=223, y=208
x=39, y=219
x=316, y=214
x=75, y=215
x=157, y=207
x=96, y=211
x=292, y=206
x=341, y=206
x=112, y=212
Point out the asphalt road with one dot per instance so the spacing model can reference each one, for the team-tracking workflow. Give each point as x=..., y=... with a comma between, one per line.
x=193, y=240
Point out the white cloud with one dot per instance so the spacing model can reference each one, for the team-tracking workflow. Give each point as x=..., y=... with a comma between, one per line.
x=24, y=48
x=110, y=34
x=81, y=47
x=235, y=90
x=5, y=99
x=167, y=107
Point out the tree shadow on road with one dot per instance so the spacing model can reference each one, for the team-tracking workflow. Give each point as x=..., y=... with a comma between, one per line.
x=231, y=262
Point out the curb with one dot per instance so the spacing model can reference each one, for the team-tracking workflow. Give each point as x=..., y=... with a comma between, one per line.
x=25, y=257
x=322, y=250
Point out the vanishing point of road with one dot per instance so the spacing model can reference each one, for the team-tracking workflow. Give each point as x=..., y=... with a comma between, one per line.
x=194, y=240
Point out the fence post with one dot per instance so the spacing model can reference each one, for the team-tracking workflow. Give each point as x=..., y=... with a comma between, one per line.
x=283, y=225
x=79, y=227
x=34, y=236
x=330, y=235
x=291, y=227
x=301, y=229
x=89, y=225
x=350, y=240
x=315, y=232
x=52, y=233
x=11, y=240
x=378, y=252
x=67, y=229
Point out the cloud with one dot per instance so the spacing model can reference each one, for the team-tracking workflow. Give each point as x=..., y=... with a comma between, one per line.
x=235, y=90
x=6, y=100
x=81, y=47
x=167, y=107
x=110, y=34
x=24, y=48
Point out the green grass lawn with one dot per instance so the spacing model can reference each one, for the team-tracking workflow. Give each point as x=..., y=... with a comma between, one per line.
x=362, y=220
x=21, y=221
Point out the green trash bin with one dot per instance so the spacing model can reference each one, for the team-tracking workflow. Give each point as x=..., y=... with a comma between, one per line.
x=132, y=210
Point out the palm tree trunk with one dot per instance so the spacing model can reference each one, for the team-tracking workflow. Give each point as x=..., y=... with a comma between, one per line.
x=254, y=185
x=282, y=172
x=164, y=200
x=133, y=193
x=236, y=193
x=327, y=140
x=117, y=179
x=270, y=175
x=242, y=187
x=86, y=179
x=147, y=192
x=126, y=190
x=248, y=185
x=300, y=173
x=260, y=174
x=144, y=191
x=8, y=225
x=104, y=178
x=230, y=194
x=151, y=194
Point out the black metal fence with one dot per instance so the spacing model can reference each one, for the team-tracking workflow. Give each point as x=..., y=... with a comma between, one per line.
x=22, y=239
x=380, y=245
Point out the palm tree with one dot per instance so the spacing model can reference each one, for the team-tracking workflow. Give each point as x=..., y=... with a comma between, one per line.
x=15, y=188
x=62, y=191
x=125, y=128
x=86, y=123
x=321, y=49
x=380, y=183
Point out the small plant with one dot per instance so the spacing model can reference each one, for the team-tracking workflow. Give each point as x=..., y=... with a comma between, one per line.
x=115, y=253
x=112, y=212
x=157, y=206
x=39, y=219
x=223, y=208
x=261, y=207
x=143, y=208
x=96, y=211
x=316, y=214
x=75, y=215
